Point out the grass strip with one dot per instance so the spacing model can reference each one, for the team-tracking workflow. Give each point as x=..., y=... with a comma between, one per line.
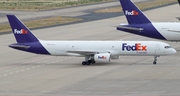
x=42, y=23
x=36, y=5
x=141, y=5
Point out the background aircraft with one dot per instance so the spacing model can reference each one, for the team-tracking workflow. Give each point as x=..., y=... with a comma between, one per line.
x=179, y=4
x=139, y=24
x=93, y=51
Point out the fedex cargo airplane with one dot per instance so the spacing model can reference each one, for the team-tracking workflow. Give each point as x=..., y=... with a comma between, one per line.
x=93, y=51
x=139, y=24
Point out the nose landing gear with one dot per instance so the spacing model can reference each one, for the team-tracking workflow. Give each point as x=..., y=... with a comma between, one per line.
x=155, y=59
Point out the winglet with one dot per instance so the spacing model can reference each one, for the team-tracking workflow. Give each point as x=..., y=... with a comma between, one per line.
x=133, y=13
x=20, y=31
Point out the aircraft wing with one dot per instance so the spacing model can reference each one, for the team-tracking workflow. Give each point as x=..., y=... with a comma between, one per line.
x=174, y=31
x=86, y=52
x=131, y=28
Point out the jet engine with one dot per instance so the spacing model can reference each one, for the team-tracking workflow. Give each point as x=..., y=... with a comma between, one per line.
x=102, y=57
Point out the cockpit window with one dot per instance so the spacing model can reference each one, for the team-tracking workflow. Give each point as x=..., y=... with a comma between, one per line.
x=167, y=47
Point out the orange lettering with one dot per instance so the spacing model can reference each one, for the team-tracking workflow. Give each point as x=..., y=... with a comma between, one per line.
x=138, y=47
x=144, y=48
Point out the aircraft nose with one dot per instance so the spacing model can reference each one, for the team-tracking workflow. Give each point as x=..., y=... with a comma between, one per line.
x=173, y=51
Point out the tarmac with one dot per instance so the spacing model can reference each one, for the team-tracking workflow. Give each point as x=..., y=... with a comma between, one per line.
x=26, y=74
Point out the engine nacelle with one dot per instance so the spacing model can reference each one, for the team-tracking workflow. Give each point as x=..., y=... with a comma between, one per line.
x=115, y=57
x=102, y=57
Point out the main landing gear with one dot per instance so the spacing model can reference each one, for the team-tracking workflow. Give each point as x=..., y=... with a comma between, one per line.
x=155, y=59
x=88, y=61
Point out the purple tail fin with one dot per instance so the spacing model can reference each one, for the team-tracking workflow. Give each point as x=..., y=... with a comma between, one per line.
x=20, y=31
x=132, y=13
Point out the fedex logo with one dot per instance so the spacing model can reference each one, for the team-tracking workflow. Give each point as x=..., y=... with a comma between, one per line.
x=101, y=57
x=133, y=12
x=22, y=31
x=136, y=47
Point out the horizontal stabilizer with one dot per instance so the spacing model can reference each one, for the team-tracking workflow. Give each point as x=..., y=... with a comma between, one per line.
x=131, y=28
x=19, y=46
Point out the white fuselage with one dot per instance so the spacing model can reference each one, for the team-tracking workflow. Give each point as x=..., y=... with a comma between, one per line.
x=171, y=31
x=82, y=48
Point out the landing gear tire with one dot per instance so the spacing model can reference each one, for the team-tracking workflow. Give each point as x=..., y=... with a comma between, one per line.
x=84, y=63
x=93, y=62
x=89, y=62
x=154, y=62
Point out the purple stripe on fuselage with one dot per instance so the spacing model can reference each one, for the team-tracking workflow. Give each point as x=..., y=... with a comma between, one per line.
x=148, y=30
